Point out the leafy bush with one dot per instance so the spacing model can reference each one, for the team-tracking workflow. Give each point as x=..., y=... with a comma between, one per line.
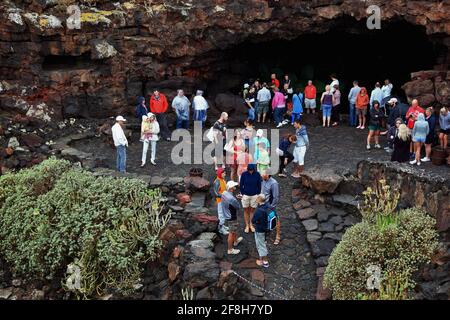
x=53, y=216
x=397, y=249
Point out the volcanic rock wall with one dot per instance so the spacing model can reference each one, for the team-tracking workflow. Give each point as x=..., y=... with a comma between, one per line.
x=127, y=48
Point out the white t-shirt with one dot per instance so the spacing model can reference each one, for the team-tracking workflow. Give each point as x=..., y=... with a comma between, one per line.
x=119, y=136
x=200, y=103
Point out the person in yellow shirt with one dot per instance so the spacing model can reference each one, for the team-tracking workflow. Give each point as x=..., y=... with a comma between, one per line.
x=220, y=185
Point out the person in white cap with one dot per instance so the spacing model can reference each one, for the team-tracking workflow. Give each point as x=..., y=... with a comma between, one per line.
x=149, y=135
x=258, y=140
x=230, y=209
x=121, y=143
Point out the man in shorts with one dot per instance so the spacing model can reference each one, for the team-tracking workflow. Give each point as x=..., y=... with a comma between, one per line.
x=250, y=187
x=310, y=97
x=263, y=97
x=230, y=209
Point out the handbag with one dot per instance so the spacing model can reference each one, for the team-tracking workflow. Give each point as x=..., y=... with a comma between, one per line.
x=228, y=147
x=210, y=134
x=279, y=152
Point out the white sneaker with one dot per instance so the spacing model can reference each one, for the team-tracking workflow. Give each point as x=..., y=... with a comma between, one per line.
x=234, y=251
x=426, y=159
x=358, y=127
x=362, y=128
x=223, y=231
x=280, y=125
x=413, y=162
x=285, y=122
x=377, y=146
x=368, y=147
x=238, y=240
x=153, y=162
x=418, y=163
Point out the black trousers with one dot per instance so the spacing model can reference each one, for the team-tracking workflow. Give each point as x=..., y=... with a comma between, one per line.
x=335, y=113
x=287, y=155
x=164, y=129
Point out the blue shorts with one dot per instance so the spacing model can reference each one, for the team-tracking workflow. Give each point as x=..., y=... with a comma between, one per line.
x=326, y=110
x=421, y=140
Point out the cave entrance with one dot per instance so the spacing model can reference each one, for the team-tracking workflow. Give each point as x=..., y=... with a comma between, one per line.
x=66, y=62
x=348, y=49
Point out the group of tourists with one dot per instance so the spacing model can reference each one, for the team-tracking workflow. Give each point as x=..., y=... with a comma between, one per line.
x=246, y=155
x=278, y=101
x=259, y=193
x=258, y=197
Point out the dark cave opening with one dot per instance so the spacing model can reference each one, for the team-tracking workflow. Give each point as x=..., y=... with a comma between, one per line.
x=349, y=50
x=66, y=62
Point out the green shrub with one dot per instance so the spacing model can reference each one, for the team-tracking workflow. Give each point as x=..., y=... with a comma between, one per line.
x=398, y=249
x=53, y=216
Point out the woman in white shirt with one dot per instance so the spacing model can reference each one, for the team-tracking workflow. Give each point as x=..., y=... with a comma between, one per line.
x=149, y=136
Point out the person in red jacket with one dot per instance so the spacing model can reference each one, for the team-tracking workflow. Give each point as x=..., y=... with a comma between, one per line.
x=310, y=97
x=158, y=106
x=275, y=81
x=413, y=113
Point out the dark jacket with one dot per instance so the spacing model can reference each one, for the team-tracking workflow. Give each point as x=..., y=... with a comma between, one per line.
x=260, y=218
x=250, y=182
x=394, y=113
x=284, y=144
x=432, y=125
x=375, y=117
x=141, y=109
x=401, y=150
x=392, y=133
x=403, y=109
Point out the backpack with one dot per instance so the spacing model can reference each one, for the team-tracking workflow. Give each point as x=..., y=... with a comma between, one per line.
x=271, y=220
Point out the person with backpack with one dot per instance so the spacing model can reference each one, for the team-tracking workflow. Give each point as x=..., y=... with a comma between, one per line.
x=271, y=191
x=260, y=222
x=141, y=109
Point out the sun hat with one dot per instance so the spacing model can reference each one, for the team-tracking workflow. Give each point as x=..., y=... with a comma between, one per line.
x=231, y=184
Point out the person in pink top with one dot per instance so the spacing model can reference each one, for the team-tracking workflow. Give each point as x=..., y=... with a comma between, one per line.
x=243, y=160
x=278, y=107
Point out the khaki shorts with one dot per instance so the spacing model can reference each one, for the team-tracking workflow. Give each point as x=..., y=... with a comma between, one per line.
x=232, y=225
x=249, y=201
x=361, y=112
x=310, y=103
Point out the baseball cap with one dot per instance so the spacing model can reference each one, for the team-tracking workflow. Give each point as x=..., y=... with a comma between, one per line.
x=259, y=133
x=246, y=86
x=392, y=100
x=231, y=184
x=120, y=118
